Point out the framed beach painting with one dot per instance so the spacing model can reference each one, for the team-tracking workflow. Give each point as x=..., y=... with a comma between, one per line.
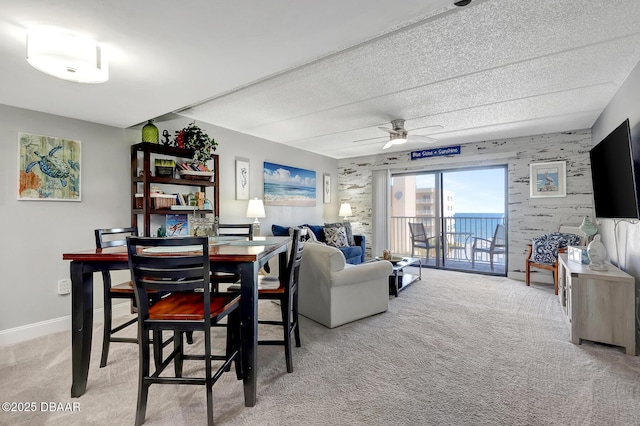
x=326, y=191
x=548, y=179
x=289, y=186
x=48, y=168
x=242, y=180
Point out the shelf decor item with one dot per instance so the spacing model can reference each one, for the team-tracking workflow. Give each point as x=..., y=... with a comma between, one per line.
x=588, y=228
x=597, y=254
x=192, y=137
x=150, y=133
x=164, y=167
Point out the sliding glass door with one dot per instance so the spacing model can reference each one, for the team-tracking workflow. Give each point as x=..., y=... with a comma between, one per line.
x=462, y=213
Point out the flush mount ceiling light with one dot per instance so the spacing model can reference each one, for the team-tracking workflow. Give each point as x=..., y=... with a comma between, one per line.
x=462, y=3
x=67, y=56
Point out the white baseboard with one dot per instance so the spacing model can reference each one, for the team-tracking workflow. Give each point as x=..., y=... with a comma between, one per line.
x=535, y=277
x=55, y=325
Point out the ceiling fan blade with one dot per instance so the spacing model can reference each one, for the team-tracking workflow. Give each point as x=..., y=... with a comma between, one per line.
x=387, y=145
x=389, y=130
x=369, y=139
x=420, y=138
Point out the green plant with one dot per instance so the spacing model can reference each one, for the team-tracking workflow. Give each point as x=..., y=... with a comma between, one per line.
x=192, y=137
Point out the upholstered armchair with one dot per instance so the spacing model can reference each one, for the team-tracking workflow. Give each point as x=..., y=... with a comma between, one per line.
x=333, y=292
x=544, y=250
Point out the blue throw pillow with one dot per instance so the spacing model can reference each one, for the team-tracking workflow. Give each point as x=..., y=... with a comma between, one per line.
x=318, y=231
x=280, y=231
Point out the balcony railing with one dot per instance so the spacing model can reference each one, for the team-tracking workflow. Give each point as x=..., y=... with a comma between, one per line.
x=459, y=234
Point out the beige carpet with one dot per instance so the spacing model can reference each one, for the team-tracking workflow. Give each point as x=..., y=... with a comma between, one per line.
x=453, y=349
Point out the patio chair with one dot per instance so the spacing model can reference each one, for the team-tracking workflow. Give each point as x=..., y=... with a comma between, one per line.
x=493, y=247
x=420, y=240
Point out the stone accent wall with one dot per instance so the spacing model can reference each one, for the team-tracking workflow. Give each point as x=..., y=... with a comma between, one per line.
x=527, y=217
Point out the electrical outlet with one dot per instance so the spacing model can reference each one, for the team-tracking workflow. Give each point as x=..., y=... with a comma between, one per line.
x=64, y=286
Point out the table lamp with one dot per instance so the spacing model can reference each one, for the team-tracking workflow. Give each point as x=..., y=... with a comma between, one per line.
x=345, y=211
x=255, y=209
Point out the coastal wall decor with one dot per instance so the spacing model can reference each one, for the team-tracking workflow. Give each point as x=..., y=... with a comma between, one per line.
x=326, y=192
x=288, y=186
x=548, y=179
x=48, y=168
x=242, y=180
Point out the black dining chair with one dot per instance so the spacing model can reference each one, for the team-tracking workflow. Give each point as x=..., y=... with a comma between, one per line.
x=230, y=230
x=180, y=265
x=116, y=237
x=287, y=294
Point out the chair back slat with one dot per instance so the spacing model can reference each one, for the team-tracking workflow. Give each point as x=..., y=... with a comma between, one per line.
x=236, y=230
x=178, y=269
x=297, y=247
x=113, y=237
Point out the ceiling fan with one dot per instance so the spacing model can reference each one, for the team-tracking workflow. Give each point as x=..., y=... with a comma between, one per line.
x=399, y=135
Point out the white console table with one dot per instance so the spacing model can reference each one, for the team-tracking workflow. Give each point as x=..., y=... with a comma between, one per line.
x=600, y=305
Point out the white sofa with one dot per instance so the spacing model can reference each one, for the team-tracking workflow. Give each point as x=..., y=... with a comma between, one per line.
x=333, y=292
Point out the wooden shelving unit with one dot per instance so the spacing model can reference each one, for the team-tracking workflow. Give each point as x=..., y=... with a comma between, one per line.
x=142, y=178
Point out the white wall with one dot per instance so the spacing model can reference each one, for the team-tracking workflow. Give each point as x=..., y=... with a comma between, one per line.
x=621, y=238
x=527, y=217
x=237, y=146
x=37, y=233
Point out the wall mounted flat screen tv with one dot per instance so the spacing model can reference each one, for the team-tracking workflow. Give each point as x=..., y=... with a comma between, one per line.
x=615, y=172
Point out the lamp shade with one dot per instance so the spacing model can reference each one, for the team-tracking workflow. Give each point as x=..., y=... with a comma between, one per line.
x=345, y=210
x=256, y=208
x=67, y=56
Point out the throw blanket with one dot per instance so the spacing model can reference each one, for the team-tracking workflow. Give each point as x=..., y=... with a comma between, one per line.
x=545, y=248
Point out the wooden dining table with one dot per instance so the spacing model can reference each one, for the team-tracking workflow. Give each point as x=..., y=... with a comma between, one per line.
x=240, y=256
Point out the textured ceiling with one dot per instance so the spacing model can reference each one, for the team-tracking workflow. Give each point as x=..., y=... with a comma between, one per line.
x=322, y=76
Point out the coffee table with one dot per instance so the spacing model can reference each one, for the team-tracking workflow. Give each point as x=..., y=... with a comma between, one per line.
x=398, y=280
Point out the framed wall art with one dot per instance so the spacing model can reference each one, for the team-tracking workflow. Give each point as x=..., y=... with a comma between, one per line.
x=288, y=186
x=548, y=179
x=48, y=168
x=242, y=180
x=326, y=192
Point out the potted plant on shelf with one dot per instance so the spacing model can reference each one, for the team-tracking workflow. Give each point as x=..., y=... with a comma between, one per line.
x=192, y=137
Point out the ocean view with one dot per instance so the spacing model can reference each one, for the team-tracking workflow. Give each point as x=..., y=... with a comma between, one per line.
x=478, y=224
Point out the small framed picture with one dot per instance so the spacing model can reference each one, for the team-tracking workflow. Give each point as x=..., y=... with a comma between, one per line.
x=242, y=180
x=48, y=168
x=548, y=179
x=326, y=191
x=177, y=225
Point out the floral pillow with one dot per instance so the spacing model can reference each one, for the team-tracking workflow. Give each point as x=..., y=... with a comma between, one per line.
x=336, y=237
x=545, y=248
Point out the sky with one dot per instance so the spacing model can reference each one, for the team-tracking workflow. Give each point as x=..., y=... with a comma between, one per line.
x=476, y=191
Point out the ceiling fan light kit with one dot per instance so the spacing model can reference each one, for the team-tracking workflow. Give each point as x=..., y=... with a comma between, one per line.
x=399, y=135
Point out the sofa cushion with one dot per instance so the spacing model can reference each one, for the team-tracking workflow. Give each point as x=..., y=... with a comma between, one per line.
x=280, y=231
x=352, y=252
x=336, y=237
x=347, y=228
x=311, y=236
x=318, y=230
